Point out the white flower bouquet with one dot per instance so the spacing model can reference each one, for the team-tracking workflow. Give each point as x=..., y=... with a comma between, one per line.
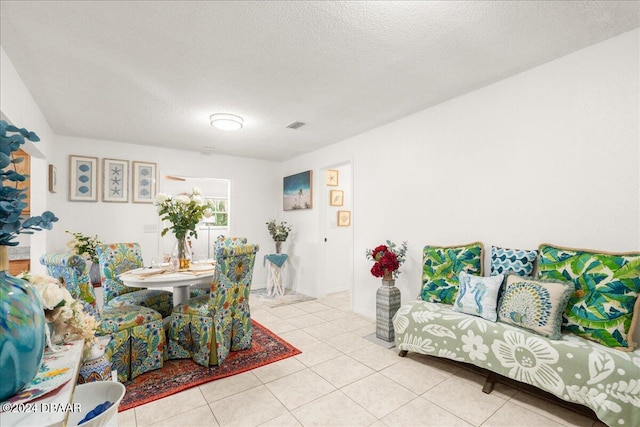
x=68, y=316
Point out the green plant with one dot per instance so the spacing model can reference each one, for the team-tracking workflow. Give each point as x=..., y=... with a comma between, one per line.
x=84, y=246
x=183, y=211
x=279, y=232
x=11, y=198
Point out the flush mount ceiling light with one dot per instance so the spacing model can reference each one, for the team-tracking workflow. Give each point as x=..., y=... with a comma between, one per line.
x=225, y=121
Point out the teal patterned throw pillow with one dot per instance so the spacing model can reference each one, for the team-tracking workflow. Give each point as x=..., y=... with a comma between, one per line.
x=606, y=286
x=441, y=267
x=535, y=305
x=518, y=261
x=478, y=295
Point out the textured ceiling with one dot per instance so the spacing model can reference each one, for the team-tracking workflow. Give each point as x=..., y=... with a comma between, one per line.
x=152, y=72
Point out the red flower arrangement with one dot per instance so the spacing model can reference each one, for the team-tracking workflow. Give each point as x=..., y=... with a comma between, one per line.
x=387, y=260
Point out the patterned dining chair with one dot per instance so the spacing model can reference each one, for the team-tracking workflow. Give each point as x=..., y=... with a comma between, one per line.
x=138, y=341
x=117, y=258
x=221, y=240
x=208, y=327
x=71, y=269
x=137, y=336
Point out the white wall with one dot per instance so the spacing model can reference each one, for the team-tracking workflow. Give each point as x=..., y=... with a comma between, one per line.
x=305, y=245
x=254, y=193
x=18, y=107
x=549, y=155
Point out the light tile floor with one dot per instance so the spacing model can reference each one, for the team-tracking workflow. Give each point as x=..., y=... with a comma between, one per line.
x=343, y=379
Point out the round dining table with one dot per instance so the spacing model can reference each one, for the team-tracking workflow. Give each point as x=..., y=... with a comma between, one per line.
x=180, y=280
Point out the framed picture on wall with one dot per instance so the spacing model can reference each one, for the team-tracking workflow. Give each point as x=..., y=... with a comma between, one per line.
x=53, y=179
x=336, y=197
x=83, y=179
x=297, y=191
x=115, y=180
x=332, y=177
x=144, y=182
x=344, y=218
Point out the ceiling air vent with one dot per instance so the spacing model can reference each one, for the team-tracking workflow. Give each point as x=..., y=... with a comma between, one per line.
x=295, y=125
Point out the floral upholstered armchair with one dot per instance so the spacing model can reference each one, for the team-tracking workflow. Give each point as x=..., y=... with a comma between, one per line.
x=208, y=327
x=115, y=259
x=72, y=269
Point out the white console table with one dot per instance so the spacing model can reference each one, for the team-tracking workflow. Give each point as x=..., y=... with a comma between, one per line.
x=53, y=408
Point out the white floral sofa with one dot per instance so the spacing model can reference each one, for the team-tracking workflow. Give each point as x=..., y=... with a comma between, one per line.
x=604, y=378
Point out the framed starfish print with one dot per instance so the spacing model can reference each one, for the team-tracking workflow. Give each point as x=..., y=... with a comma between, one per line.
x=115, y=181
x=332, y=177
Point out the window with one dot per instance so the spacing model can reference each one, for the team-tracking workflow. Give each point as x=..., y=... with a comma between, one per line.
x=215, y=190
x=220, y=217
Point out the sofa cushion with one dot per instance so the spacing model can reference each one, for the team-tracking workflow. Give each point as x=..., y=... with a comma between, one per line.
x=441, y=267
x=535, y=305
x=607, y=286
x=518, y=261
x=478, y=295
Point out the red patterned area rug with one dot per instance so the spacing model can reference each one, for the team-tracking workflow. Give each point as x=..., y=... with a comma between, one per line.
x=179, y=375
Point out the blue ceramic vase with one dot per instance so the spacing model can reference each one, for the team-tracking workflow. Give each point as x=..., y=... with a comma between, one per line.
x=22, y=335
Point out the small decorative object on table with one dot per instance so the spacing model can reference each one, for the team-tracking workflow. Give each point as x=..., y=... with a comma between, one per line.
x=22, y=328
x=85, y=246
x=279, y=233
x=388, y=259
x=96, y=365
x=184, y=212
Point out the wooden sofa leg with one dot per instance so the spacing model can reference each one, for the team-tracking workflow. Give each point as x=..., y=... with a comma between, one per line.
x=403, y=353
x=489, y=383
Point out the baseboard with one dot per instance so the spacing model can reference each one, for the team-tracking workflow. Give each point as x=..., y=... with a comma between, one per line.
x=305, y=291
x=336, y=289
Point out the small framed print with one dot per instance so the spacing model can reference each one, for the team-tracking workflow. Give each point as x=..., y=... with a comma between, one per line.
x=336, y=197
x=344, y=218
x=115, y=180
x=332, y=177
x=144, y=182
x=83, y=179
x=53, y=179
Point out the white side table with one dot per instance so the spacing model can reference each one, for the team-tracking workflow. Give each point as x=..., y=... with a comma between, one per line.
x=275, y=274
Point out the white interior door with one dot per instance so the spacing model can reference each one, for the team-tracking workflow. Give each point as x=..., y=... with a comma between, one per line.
x=338, y=240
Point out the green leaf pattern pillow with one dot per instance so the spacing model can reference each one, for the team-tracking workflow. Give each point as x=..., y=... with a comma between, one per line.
x=607, y=288
x=441, y=267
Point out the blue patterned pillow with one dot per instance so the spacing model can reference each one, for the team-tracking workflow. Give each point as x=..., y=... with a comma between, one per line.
x=516, y=261
x=478, y=295
x=536, y=305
